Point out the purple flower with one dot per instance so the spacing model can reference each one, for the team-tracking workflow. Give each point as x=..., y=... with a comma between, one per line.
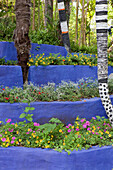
x=97, y=133
x=104, y=130
x=87, y=123
x=84, y=125
x=101, y=137
x=8, y=121
x=36, y=124
x=3, y=139
x=77, y=129
x=27, y=132
x=88, y=128
x=10, y=130
x=93, y=133
x=12, y=141
x=69, y=130
x=104, y=124
x=67, y=126
x=13, y=138
x=82, y=120
x=79, y=136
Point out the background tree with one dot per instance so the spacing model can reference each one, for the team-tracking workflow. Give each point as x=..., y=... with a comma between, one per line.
x=21, y=38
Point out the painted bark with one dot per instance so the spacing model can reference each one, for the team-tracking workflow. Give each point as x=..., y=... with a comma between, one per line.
x=101, y=28
x=21, y=38
x=63, y=24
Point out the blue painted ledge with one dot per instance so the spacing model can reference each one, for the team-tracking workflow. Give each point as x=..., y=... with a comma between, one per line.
x=65, y=111
x=21, y=158
x=8, y=50
x=12, y=75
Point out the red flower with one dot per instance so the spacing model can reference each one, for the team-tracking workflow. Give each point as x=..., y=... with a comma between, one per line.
x=16, y=97
x=42, y=92
x=7, y=98
x=81, y=83
x=3, y=89
x=39, y=93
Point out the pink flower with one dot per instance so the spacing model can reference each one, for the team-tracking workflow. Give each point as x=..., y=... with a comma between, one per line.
x=88, y=128
x=97, y=133
x=13, y=138
x=12, y=123
x=84, y=125
x=33, y=131
x=27, y=132
x=93, y=118
x=10, y=130
x=12, y=141
x=3, y=139
x=101, y=137
x=104, y=124
x=93, y=133
x=8, y=121
x=79, y=136
x=0, y=135
x=69, y=130
x=36, y=124
x=82, y=120
x=77, y=129
x=87, y=123
x=67, y=126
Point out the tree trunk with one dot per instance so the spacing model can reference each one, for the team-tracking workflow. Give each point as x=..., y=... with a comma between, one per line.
x=101, y=28
x=38, y=14
x=67, y=9
x=21, y=38
x=85, y=22
x=76, y=29
x=63, y=24
x=33, y=27
x=82, y=23
x=48, y=11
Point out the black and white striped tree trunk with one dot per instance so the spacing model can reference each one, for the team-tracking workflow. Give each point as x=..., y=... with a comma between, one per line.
x=63, y=24
x=101, y=28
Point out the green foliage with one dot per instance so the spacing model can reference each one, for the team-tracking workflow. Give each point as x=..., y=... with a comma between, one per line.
x=6, y=29
x=55, y=135
x=65, y=91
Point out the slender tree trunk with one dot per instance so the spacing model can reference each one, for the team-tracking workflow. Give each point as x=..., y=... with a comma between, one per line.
x=76, y=30
x=101, y=28
x=38, y=14
x=63, y=24
x=33, y=26
x=85, y=22
x=21, y=38
x=48, y=11
x=82, y=23
x=67, y=9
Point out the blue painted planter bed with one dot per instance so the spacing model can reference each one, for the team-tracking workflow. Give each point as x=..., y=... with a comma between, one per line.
x=12, y=75
x=65, y=111
x=21, y=158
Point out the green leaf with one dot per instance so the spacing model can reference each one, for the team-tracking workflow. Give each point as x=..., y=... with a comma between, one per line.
x=27, y=109
x=29, y=119
x=55, y=120
x=22, y=115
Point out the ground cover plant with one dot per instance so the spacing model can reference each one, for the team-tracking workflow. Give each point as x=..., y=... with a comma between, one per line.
x=55, y=135
x=65, y=91
x=75, y=59
x=57, y=59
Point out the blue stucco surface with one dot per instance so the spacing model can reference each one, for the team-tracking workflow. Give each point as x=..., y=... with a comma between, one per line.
x=65, y=111
x=8, y=50
x=21, y=158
